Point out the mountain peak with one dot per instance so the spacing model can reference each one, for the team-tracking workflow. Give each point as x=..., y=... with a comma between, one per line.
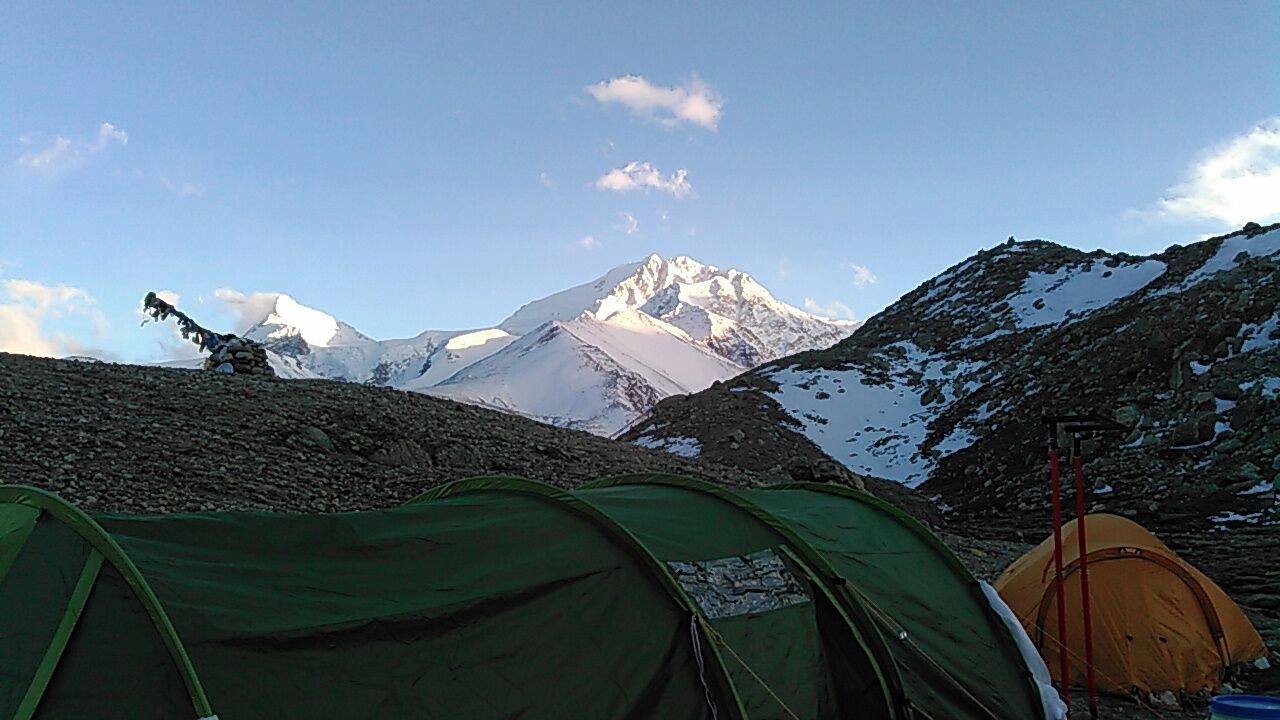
x=281, y=316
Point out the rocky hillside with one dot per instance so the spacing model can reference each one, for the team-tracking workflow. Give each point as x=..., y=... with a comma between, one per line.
x=944, y=390
x=129, y=438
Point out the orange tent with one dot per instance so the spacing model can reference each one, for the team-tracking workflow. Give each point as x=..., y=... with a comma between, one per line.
x=1158, y=623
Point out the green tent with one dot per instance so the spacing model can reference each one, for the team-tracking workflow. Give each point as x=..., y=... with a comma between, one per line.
x=634, y=597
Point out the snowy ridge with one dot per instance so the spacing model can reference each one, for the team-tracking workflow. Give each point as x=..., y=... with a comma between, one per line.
x=596, y=356
x=944, y=390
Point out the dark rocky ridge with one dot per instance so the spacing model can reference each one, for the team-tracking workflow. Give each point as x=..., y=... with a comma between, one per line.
x=142, y=439
x=1167, y=360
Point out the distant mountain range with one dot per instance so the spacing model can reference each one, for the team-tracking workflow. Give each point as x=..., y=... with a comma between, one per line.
x=595, y=357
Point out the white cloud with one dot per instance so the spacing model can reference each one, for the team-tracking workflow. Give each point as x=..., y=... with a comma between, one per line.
x=643, y=175
x=589, y=242
x=107, y=134
x=629, y=224
x=64, y=152
x=28, y=309
x=1233, y=183
x=835, y=309
x=249, y=308
x=693, y=102
x=546, y=180
x=171, y=344
x=56, y=154
x=862, y=275
x=183, y=189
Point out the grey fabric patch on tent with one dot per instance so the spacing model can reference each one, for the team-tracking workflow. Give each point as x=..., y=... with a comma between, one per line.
x=739, y=585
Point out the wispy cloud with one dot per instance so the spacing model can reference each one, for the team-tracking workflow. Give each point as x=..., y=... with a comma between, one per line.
x=29, y=310
x=862, y=275
x=589, y=242
x=54, y=155
x=835, y=309
x=183, y=188
x=64, y=152
x=545, y=180
x=693, y=102
x=249, y=308
x=1233, y=183
x=107, y=134
x=629, y=225
x=643, y=175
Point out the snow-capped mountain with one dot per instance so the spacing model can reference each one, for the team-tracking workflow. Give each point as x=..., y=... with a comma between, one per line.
x=594, y=357
x=590, y=374
x=724, y=311
x=943, y=391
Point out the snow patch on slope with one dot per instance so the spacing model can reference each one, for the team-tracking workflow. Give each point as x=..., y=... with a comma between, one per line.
x=1259, y=336
x=1263, y=245
x=877, y=424
x=478, y=338
x=679, y=445
x=1075, y=291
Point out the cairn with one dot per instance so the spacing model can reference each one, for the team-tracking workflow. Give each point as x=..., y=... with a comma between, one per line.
x=238, y=356
x=228, y=353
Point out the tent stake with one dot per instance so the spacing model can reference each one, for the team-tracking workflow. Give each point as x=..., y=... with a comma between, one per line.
x=1055, y=482
x=1077, y=457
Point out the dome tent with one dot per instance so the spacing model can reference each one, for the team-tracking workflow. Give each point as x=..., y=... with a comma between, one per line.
x=1158, y=623
x=637, y=597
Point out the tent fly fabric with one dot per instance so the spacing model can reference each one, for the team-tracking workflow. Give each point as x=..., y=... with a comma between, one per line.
x=634, y=597
x=1158, y=622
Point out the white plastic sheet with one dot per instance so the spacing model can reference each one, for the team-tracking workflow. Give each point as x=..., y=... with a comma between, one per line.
x=1054, y=708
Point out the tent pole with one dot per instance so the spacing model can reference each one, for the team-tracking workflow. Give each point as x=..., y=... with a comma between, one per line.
x=1077, y=458
x=1055, y=482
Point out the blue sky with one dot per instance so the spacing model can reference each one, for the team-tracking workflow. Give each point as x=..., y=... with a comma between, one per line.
x=412, y=167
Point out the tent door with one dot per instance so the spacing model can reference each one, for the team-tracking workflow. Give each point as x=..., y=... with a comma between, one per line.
x=787, y=648
x=858, y=693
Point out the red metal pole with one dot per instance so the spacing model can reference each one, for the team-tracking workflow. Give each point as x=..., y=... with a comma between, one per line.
x=1064, y=663
x=1078, y=463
